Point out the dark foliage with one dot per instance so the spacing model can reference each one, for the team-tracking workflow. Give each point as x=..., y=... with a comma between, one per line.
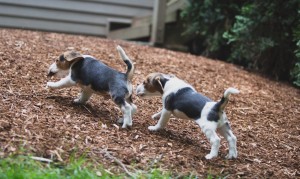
x=256, y=34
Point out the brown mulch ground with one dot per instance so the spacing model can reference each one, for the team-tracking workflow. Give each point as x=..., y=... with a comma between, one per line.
x=264, y=116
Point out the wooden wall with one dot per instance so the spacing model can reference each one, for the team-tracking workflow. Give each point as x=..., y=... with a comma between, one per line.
x=88, y=17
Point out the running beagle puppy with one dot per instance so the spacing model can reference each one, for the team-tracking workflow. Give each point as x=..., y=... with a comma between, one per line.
x=93, y=76
x=182, y=100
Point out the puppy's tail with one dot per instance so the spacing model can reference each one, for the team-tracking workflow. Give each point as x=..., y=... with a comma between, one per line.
x=224, y=100
x=126, y=59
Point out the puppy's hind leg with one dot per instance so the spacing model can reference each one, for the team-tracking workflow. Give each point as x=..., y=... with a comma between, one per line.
x=214, y=141
x=226, y=131
x=126, y=110
x=133, y=110
x=156, y=115
x=84, y=97
x=209, y=129
x=133, y=106
x=162, y=122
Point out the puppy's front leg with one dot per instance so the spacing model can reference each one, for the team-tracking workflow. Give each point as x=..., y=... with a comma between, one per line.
x=63, y=83
x=157, y=115
x=164, y=118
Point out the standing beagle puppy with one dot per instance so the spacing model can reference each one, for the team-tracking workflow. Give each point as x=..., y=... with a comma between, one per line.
x=93, y=76
x=182, y=100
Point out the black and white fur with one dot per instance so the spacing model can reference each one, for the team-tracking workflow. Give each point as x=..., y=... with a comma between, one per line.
x=181, y=99
x=93, y=76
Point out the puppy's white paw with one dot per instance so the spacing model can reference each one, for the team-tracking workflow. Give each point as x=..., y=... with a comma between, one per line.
x=232, y=155
x=77, y=101
x=153, y=128
x=133, y=109
x=51, y=85
x=126, y=125
x=130, y=123
x=127, y=122
x=121, y=120
x=209, y=156
x=155, y=116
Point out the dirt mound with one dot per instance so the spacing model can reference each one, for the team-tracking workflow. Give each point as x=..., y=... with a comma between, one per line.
x=264, y=116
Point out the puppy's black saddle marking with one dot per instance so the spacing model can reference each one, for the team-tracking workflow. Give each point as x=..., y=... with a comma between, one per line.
x=101, y=78
x=187, y=101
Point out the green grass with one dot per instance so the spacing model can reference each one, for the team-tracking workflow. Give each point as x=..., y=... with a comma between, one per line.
x=24, y=167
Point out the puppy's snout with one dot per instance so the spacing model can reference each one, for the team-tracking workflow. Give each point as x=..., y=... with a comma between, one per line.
x=139, y=90
x=53, y=70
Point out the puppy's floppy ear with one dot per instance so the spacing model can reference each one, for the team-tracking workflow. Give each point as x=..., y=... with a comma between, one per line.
x=157, y=79
x=73, y=55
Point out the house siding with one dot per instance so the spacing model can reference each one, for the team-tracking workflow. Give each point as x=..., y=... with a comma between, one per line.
x=88, y=17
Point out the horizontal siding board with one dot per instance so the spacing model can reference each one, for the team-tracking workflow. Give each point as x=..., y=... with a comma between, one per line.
x=70, y=16
x=80, y=6
x=130, y=33
x=148, y=4
x=138, y=21
x=171, y=14
x=52, y=26
x=52, y=14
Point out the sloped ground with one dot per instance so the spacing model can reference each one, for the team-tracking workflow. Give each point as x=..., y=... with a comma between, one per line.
x=264, y=116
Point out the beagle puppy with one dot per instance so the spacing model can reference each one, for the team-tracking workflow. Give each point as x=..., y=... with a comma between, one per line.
x=182, y=100
x=93, y=76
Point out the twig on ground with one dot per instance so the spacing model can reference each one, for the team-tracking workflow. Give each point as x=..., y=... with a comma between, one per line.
x=156, y=160
x=87, y=109
x=107, y=154
x=41, y=159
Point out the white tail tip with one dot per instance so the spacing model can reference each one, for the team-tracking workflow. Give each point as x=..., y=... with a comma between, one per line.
x=122, y=53
x=231, y=91
x=120, y=49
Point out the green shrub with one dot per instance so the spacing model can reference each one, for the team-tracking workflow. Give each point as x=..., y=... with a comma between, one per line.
x=256, y=34
x=295, y=73
x=262, y=37
x=205, y=22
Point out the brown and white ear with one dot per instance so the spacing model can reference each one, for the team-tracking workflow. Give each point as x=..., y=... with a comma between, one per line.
x=157, y=79
x=73, y=55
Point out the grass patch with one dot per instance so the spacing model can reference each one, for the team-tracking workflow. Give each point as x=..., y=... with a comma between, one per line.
x=24, y=167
